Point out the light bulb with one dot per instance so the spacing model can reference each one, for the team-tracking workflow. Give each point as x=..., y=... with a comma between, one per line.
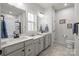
x=65, y=4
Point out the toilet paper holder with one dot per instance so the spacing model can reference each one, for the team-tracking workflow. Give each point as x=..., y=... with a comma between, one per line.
x=65, y=36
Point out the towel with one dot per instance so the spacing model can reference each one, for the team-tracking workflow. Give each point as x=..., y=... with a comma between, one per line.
x=75, y=28
x=3, y=29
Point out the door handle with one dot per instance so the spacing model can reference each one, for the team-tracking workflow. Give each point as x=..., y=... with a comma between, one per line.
x=65, y=36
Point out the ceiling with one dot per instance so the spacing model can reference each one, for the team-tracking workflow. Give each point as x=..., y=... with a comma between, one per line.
x=56, y=6
x=6, y=8
x=9, y=9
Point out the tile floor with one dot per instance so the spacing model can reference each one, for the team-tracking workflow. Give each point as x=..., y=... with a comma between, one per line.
x=57, y=50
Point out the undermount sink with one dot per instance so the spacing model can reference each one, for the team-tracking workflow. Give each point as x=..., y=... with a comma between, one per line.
x=32, y=35
x=24, y=37
x=7, y=40
x=3, y=43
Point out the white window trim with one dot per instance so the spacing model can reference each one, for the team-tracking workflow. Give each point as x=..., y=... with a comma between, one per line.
x=34, y=22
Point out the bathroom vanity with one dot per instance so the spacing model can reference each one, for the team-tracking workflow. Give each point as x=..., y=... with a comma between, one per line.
x=26, y=45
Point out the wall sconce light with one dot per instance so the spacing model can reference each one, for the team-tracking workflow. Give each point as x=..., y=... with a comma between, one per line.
x=40, y=14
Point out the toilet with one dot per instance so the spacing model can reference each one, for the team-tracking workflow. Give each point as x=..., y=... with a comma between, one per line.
x=70, y=44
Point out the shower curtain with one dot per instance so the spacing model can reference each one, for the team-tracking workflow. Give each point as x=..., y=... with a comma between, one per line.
x=3, y=28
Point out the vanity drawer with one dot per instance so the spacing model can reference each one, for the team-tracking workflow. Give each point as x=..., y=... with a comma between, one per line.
x=29, y=50
x=13, y=48
x=29, y=42
x=19, y=52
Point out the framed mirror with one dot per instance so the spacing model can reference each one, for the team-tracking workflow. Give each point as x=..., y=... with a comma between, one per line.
x=62, y=21
x=13, y=18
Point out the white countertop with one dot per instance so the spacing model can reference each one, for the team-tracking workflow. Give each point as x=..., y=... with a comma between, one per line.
x=40, y=35
x=10, y=41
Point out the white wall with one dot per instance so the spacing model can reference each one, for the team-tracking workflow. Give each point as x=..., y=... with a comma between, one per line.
x=76, y=49
x=76, y=12
x=61, y=29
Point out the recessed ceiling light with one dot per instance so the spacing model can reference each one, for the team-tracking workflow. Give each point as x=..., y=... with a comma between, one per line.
x=65, y=4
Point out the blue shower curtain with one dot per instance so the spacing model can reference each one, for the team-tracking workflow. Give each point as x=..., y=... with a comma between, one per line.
x=3, y=29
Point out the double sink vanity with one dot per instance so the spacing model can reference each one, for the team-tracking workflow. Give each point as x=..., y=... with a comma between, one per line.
x=25, y=45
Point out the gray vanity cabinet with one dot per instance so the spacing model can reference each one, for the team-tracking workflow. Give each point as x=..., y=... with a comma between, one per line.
x=14, y=49
x=36, y=46
x=46, y=41
x=19, y=52
x=41, y=44
x=49, y=39
x=29, y=48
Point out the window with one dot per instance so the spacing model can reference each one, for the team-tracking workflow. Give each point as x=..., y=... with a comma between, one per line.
x=32, y=22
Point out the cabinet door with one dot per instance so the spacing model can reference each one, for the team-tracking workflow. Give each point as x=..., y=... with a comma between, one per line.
x=28, y=42
x=36, y=47
x=19, y=52
x=12, y=48
x=29, y=50
x=41, y=44
x=49, y=40
x=46, y=41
